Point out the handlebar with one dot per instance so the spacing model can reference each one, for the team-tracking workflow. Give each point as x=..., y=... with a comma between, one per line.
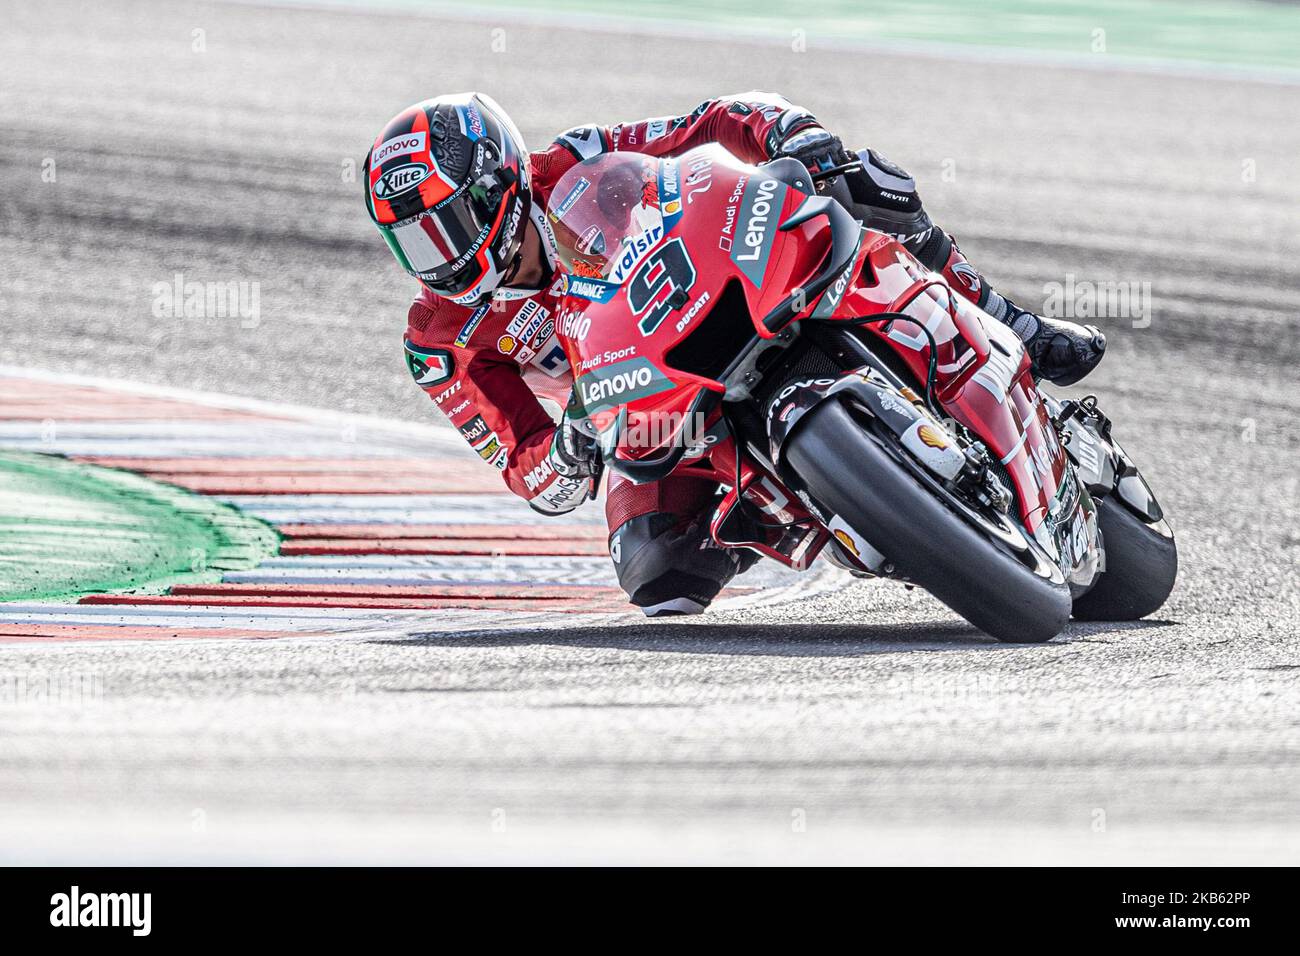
x=822, y=175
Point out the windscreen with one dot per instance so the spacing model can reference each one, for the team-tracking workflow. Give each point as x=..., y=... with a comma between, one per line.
x=603, y=208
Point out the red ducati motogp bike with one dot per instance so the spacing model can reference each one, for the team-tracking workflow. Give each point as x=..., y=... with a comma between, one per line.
x=727, y=321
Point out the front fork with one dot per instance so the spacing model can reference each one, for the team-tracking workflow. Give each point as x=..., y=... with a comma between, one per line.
x=759, y=512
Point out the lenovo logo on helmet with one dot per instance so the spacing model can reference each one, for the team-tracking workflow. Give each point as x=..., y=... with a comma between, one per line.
x=400, y=179
x=398, y=146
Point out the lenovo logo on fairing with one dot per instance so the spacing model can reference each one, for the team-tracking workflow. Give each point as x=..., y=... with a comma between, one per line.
x=619, y=383
x=760, y=207
x=594, y=392
x=75, y=908
x=759, y=214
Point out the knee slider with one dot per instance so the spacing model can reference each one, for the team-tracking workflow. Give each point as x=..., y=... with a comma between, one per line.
x=658, y=563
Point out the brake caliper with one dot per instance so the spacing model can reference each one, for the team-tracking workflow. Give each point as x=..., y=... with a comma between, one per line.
x=982, y=482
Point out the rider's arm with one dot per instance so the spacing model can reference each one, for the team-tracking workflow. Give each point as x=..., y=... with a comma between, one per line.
x=755, y=126
x=751, y=125
x=484, y=395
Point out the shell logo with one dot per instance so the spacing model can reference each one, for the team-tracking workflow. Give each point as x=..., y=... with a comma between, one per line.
x=932, y=436
x=506, y=344
x=843, y=538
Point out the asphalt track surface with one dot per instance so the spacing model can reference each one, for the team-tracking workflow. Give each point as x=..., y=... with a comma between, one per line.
x=872, y=726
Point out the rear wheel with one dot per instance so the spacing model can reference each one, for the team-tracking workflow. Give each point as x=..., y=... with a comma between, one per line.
x=1141, y=565
x=980, y=565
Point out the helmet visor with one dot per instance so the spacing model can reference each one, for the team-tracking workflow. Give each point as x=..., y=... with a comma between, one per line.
x=439, y=245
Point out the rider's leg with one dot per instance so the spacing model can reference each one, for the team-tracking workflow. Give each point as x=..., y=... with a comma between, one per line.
x=885, y=198
x=660, y=544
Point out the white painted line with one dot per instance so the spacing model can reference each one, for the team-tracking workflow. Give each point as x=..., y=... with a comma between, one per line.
x=491, y=503
x=435, y=430
x=48, y=609
x=325, y=518
x=507, y=564
x=415, y=578
x=243, y=431
x=354, y=509
x=199, y=448
x=453, y=509
x=328, y=516
x=213, y=620
x=286, y=619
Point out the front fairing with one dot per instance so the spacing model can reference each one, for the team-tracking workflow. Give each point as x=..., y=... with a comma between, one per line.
x=699, y=223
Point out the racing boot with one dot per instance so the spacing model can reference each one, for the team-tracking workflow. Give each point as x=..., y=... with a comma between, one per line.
x=1060, y=351
x=659, y=541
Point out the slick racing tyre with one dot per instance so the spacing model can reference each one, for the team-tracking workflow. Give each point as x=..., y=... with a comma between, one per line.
x=981, y=566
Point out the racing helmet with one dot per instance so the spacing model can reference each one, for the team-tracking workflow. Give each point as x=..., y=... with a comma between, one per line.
x=447, y=187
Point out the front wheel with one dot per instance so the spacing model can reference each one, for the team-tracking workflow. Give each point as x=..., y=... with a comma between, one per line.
x=993, y=577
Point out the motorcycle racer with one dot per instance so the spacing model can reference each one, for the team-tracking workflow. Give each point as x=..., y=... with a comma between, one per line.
x=462, y=205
